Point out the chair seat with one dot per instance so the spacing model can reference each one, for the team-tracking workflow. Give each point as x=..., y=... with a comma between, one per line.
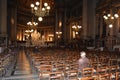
x=58, y=76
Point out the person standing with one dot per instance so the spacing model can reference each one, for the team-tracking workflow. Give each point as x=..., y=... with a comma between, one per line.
x=83, y=62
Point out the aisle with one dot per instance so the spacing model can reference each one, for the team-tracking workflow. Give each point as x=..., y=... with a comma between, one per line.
x=22, y=66
x=22, y=69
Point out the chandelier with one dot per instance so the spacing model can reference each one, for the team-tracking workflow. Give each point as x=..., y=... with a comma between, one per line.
x=31, y=25
x=110, y=18
x=40, y=9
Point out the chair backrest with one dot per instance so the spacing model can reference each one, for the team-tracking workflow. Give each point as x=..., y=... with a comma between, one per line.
x=117, y=75
x=45, y=69
x=87, y=72
x=113, y=62
x=102, y=69
x=74, y=66
x=113, y=68
x=45, y=62
x=105, y=77
x=61, y=67
x=55, y=75
x=89, y=78
x=72, y=74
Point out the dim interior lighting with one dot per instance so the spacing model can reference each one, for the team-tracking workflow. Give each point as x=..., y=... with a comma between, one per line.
x=32, y=23
x=45, y=4
x=76, y=26
x=37, y=3
x=79, y=26
x=116, y=15
x=29, y=31
x=58, y=36
x=48, y=7
x=59, y=32
x=76, y=33
x=40, y=18
x=32, y=5
x=109, y=15
x=60, y=24
x=110, y=25
x=73, y=26
x=43, y=9
x=112, y=17
x=35, y=8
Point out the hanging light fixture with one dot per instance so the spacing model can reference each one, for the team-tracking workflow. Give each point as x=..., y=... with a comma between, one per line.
x=30, y=27
x=111, y=17
x=39, y=9
x=76, y=26
x=32, y=23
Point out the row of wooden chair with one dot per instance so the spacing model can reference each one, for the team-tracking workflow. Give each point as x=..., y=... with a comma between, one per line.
x=5, y=62
x=87, y=74
x=63, y=62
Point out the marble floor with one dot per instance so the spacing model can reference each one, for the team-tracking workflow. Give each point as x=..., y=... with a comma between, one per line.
x=22, y=69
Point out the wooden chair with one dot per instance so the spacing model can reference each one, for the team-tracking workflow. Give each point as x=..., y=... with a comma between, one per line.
x=55, y=76
x=113, y=62
x=117, y=76
x=45, y=62
x=104, y=77
x=102, y=70
x=61, y=67
x=72, y=74
x=74, y=66
x=87, y=72
x=113, y=68
x=89, y=78
x=45, y=70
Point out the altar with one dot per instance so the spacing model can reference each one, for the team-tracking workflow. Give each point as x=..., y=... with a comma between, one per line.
x=36, y=39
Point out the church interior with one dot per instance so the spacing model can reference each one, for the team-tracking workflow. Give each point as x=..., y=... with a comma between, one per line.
x=43, y=39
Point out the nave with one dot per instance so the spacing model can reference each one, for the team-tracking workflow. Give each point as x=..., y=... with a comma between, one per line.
x=61, y=64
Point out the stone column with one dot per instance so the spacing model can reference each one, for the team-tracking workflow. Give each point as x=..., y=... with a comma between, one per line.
x=64, y=26
x=98, y=25
x=116, y=27
x=3, y=17
x=3, y=21
x=70, y=31
x=101, y=25
x=91, y=18
x=56, y=26
x=12, y=22
x=84, y=19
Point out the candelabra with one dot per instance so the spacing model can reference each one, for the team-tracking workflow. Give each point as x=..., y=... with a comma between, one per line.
x=58, y=33
x=76, y=28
